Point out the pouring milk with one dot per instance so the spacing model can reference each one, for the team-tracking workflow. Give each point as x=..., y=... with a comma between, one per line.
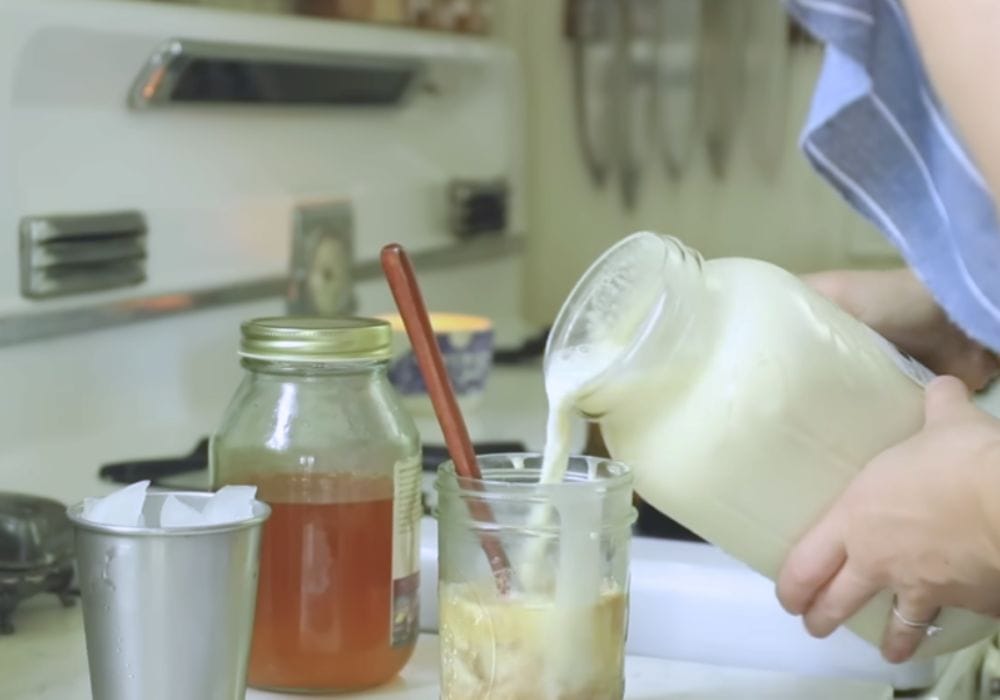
x=743, y=400
x=575, y=579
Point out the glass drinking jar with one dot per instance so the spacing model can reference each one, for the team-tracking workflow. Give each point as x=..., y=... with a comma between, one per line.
x=317, y=427
x=553, y=625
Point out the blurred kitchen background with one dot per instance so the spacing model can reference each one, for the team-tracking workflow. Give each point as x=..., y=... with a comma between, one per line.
x=169, y=169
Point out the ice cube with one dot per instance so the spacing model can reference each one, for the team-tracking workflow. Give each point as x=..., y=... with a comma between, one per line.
x=230, y=504
x=177, y=513
x=123, y=507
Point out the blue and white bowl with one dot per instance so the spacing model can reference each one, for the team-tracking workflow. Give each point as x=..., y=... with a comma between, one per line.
x=466, y=344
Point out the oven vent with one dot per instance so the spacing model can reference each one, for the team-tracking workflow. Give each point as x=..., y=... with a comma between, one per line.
x=72, y=253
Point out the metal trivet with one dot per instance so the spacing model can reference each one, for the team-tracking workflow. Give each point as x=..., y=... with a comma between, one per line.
x=36, y=553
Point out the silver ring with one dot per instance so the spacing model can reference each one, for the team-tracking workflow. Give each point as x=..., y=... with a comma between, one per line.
x=929, y=628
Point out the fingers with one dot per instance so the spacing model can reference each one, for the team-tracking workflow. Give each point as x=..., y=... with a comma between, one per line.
x=978, y=369
x=813, y=562
x=843, y=596
x=907, y=628
x=944, y=395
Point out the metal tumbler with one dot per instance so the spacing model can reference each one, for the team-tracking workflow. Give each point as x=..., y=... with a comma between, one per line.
x=168, y=613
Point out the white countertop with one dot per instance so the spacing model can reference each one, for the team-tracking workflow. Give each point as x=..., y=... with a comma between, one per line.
x=46, y=659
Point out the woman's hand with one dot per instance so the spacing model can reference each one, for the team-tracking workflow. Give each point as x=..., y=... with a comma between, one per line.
x=897, y=305
x=922, y=520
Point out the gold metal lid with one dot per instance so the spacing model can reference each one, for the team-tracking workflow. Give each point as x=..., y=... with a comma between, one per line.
x=307, y=339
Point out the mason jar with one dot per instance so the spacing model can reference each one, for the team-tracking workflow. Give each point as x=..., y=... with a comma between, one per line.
x=317, y=427
x=552, y=624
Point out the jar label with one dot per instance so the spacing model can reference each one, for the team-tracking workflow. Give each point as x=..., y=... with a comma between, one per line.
x=406, y=512
x=909, y=366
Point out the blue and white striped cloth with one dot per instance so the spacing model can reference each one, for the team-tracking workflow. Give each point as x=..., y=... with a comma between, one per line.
x=878, y=133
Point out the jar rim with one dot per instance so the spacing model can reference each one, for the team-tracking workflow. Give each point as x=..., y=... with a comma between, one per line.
x=573, y=325
x=618, y=476
x=615, y=489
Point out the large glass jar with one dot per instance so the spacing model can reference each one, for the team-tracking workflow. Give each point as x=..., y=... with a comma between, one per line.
x=317, y=427
x=553, y=625
x=743, y=400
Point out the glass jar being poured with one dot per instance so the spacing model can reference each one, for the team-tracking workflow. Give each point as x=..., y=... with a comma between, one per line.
x=742, y=399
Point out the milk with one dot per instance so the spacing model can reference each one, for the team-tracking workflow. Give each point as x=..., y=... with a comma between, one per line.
x=576, y=579
x=567, y=379
x=497, y=646
x=743, y=401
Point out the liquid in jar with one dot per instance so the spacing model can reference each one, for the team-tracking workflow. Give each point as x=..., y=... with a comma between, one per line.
x=518, y=647
x=326, y=601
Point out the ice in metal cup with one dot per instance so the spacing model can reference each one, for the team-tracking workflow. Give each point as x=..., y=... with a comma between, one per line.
x=552, y=626
x=168, y=613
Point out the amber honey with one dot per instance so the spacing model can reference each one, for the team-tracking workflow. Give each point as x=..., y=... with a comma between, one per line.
x=324, y=604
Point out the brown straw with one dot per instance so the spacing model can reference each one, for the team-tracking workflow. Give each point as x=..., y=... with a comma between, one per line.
x=410, y=303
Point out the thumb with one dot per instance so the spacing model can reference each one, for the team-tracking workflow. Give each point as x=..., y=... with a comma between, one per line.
x=944, y=395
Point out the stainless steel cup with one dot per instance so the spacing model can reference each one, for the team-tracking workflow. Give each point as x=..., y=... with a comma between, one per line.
x=168, y=614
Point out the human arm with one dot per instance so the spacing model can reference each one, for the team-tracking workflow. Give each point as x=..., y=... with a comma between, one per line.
x=898, y=306
x=959, y=42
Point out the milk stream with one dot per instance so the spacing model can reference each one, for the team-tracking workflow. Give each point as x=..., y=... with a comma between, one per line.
x=576, y=579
